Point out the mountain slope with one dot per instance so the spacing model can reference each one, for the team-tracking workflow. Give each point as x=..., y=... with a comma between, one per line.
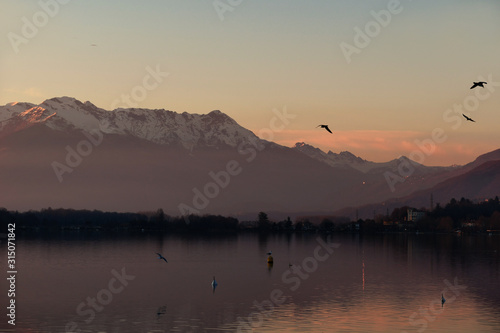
x=157, y=126
x=479, y=183
x=124, y=174
x=401, y=176
x=65, y=153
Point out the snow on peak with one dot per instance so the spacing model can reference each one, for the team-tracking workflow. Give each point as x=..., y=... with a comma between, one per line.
x=62, y=100
x=36, y=114
x=343, y=159
x=10, y=110
x=156, y=125
x=19, y=116
x=345, y=156
x=71, y=113
x=347, y=159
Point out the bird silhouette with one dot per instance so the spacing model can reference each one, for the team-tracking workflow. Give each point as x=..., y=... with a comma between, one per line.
x=325, y=127
x=478, y=84
x=161, y=311
x=214, y=285
x=469, y=119
x=161, y=257
x=442, y=300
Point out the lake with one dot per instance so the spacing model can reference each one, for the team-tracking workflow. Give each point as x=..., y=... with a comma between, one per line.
x=80, y=281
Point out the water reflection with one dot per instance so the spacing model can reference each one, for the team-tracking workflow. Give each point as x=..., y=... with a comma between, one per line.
x=214, y=285
x=374, y=283
x=161, y=311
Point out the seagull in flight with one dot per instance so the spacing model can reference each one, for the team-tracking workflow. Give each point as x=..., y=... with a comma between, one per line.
x=469, y=119
x=325, y=127
x=478, y=84
x=161, y=257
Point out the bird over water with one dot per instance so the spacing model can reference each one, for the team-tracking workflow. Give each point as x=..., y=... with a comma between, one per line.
x=161, y=257
x=214, y=285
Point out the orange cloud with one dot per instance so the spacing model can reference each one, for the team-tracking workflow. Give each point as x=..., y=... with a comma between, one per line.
x=382, y=146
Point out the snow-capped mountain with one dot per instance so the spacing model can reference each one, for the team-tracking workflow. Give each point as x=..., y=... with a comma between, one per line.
x=65, y=153
x=346, y=159
x=157, y=126
x=342, y=159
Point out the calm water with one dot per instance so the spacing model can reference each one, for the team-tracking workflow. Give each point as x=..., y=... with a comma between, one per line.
x=342, y=283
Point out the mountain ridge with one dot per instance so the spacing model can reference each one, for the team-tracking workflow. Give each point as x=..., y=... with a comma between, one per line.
x=156, y=125
x=65, y=153
x=479, y=183
x=88, y=117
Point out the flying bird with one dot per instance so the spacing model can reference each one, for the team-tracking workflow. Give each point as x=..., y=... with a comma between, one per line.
x=325, y=127
x=469, y=119
x=161, y=257
x=478, y=84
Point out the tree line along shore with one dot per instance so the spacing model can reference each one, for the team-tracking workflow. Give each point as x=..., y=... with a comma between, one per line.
x=456, y=216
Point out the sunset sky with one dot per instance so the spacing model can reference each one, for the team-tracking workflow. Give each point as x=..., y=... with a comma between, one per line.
x=384, y=75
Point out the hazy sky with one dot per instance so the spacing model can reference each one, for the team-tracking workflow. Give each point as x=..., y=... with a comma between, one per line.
x=384, y=74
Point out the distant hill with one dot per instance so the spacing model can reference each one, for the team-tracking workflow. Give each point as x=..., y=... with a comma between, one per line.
x=479, y=183
x=64, y=153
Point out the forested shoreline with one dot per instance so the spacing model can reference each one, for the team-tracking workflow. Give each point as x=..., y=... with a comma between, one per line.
x=458, y=215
